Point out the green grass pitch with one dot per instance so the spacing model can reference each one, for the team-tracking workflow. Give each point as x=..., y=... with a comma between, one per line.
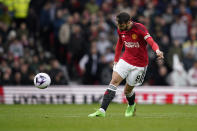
x=74, y=118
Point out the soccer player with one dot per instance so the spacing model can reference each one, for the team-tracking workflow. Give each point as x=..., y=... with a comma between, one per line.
x=132, y=65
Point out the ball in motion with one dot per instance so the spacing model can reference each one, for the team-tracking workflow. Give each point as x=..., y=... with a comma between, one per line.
x=42, y=80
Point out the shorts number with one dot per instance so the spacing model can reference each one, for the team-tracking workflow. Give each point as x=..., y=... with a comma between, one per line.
x=140, y=78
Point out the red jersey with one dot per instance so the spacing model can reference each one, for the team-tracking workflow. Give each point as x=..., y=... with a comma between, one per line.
x=135, y=42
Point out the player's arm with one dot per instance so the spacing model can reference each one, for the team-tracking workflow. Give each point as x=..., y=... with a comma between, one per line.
x=118, y=50
x=150, y=41
x=155, y=47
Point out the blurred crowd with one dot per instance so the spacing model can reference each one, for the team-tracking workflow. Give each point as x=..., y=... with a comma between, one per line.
x=74, y=40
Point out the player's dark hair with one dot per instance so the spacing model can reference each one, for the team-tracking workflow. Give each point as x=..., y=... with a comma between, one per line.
x=123, y=17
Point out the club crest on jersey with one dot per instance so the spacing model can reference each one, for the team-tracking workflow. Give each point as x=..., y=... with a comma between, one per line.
x=134, y=36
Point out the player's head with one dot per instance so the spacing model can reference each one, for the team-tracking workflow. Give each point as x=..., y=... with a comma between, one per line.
x=123, y=20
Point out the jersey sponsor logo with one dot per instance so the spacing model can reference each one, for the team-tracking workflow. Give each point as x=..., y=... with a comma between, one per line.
x=134, y=36
x=132, y=44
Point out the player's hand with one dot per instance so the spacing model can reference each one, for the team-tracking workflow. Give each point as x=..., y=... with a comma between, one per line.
x=159, y=54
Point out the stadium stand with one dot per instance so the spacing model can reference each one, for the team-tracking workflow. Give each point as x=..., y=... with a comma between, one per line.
x=74, y=40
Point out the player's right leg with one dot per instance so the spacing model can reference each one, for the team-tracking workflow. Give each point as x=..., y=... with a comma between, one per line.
x=120, y=72
x=108, y=95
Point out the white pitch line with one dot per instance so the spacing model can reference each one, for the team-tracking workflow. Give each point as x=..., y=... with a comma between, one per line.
x=51, y=116
x=71, y=116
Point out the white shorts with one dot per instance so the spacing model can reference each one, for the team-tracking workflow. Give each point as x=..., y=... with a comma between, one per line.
x=134, y=75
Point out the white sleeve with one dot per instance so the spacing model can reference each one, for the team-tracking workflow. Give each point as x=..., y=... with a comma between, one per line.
x=147, y=36
x=83, y=62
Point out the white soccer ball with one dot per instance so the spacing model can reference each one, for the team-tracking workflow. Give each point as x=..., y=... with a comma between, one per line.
x=42, y=80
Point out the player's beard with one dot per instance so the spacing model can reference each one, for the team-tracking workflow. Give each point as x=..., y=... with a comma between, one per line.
x=123, y=28
x=129, y=26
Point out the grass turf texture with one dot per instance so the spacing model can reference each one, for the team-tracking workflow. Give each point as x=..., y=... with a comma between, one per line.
x=74, y=118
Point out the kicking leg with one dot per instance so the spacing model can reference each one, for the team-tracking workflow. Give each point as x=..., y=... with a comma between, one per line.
x=111, y=90
x=108, y=95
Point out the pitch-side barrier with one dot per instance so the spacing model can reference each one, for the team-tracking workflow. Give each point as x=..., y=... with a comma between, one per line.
x=93, y=94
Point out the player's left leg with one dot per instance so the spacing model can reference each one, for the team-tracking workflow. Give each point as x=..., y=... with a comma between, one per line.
x=130, y=95
x=135, y=78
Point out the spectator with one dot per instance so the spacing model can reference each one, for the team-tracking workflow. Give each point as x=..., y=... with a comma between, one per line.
x=106, y=73
x=7, y=76
x=66, y=28
x=106, y=7
x=165, y=44
x=17, y=79
x=16, y=48
x=175, y=49
x=103, y=43
x=178, y=77
x=9, y=4
x=24, y=41
x=42, y=68
x=77, y=46
x=159, y=75
x=30, y=78
x=56, y=73
x=168, y=15
x=59, y=21
x=75, y=6
x=16, y=66
x=93, y=32
x=149, y=11
x=92, y=7
x=179, y=30
x=45, y=16
x=24, y=69
x=22, y=30
x=161, y=78
x=5, y=16
x=1, y=45
x=33, y=23
x=192, y=75
x=185, y=14
x=190, y=46
x=65, y=31
x=90, y=66
x=193, y=8
x=45, y=25
x=21, y=8
x=77, y=41
x=35, y=64
x=190, y=51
